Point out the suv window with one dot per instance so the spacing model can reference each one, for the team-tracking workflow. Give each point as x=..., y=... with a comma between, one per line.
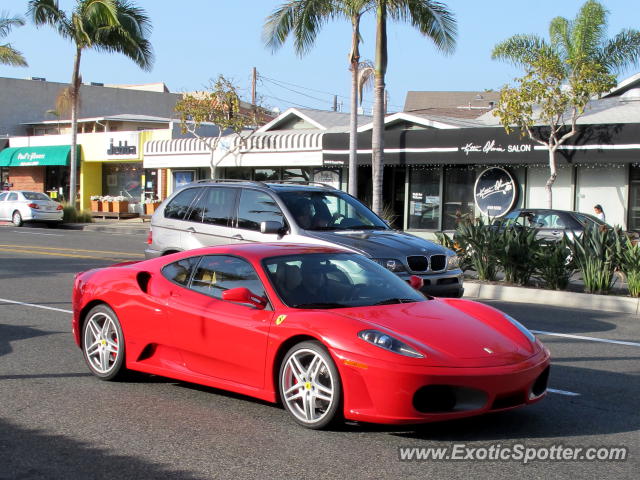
x=256, y=207
x=217, y=273
x=180, y=272
x=179, y=206
x=215, y=206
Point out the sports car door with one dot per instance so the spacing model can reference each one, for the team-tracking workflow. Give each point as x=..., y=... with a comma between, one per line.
x=215, y=337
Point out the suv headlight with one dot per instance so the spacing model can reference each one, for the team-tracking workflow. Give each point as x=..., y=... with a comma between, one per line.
x=391, y=264
x=525, y=331
x=453, y=262
x=383, y=340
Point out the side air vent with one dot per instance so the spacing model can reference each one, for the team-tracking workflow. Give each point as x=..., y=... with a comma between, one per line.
x=143, y=280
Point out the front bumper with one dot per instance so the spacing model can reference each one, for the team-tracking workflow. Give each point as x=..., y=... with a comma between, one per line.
x=386, y=393
x=445, y=284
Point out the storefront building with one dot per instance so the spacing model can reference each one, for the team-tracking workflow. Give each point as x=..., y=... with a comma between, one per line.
x=441, y=168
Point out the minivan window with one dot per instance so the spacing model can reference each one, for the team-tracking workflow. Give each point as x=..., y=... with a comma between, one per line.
x=214, y=207
x=256, y=207
x=179, y=206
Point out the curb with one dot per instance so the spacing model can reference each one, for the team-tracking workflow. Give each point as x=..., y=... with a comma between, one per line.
x=581, y=301
x=124, y=230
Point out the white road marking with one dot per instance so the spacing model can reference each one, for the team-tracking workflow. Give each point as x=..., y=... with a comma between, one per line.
x=45, y=234
x=563, y=392
x=4, y=300
x=591, y=339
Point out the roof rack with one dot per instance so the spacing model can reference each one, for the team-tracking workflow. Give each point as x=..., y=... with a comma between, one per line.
x=302, y=182
x=230, y=180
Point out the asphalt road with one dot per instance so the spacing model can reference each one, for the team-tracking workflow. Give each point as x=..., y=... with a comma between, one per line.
x=57, y=421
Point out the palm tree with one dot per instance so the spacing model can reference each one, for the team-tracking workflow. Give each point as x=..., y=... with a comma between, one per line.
x=9, y=55
x=433, y=20
x=303, y=19
x=112, y=26
x=577, y=47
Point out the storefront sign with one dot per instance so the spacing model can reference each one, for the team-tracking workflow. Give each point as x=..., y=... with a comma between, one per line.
x=490, y=146
x=122, y=145
x=495, y=192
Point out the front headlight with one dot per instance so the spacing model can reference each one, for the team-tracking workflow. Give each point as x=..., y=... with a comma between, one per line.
x=453, y=262
x=383, y=340
x=525, y=331
x=391, y=264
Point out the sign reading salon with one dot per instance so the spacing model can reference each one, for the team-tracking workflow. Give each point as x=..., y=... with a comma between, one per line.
x=495, y=192
x=122, y=145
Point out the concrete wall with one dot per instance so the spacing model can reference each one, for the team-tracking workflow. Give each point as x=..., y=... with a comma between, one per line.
x=607, y=186
x=27, y=101
x=563, y=191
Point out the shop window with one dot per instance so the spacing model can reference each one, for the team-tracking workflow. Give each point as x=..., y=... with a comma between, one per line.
x=424, y=199
x=123, y=179
x=634, y=197
x=239, y=173
x=458, y=201
x=266, y=174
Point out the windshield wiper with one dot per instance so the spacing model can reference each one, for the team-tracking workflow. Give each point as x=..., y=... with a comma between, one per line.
x=390, y=301
x=319, y=305
x=363, y=227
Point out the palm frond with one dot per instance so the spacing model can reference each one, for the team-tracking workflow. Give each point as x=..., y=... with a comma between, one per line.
x=8, y=23
x=560, y=36
x=520, y=49
x=432, y=19
x=589, y=29
x=11, y=56
x=621, y=51
x=47, y=12
x=366, y=76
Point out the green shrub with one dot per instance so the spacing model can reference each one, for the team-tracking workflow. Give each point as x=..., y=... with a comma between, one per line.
x=71, y=215
x=595, y=252
x=458, y=246
x=483, y=244
x=518, y=251
x=629, y=260
x=556, y=264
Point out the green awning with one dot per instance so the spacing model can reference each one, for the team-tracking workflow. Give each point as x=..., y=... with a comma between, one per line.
x=35, y=156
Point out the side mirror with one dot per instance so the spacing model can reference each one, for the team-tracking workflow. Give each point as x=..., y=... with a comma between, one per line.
x=416, y=282
x=244, y=295
x=271, y=227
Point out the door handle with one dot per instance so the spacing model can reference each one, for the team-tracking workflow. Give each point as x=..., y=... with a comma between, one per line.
x=237, y=237
x=191, y=230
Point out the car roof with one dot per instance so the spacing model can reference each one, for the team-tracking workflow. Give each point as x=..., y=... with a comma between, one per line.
x=270, y=185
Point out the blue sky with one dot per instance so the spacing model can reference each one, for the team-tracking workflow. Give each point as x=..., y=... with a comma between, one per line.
x=195, y=40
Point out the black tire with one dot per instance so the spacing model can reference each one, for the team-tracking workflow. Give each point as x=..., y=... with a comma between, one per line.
x=16, y=219
x=98, y=343
x=327, y=376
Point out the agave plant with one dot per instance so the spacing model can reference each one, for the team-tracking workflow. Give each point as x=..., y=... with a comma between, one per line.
x=518, y=254
x=483, y=247
x=628, y=255
x=596, y=256
x=556, y=264
x=457, y=245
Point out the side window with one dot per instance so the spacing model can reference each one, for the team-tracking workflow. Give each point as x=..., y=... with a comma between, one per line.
x=179, y=206
x=12, y=197
x=256, y=207
x=2, y=195
x=217, y=273
x=215, y=206
x=180, y=272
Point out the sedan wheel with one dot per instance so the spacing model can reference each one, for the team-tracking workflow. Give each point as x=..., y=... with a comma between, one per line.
x=103, y=343
x=310, y=385
x=17, y=219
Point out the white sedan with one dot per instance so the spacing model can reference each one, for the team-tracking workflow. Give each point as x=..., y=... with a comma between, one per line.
x=20, y=206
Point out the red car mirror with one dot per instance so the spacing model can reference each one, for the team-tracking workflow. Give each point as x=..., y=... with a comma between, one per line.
x=416, y=282
x=244, y=295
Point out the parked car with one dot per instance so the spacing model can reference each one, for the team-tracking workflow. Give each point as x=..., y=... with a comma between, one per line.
x=211, y=213
x=551, y=225
x=326, y=331
x=19, y=206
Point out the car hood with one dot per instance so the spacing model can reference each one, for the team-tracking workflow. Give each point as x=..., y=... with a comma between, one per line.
x=381, y=243
x=449, y=336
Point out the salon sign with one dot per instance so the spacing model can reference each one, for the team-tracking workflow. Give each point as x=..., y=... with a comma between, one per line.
x=495, y=192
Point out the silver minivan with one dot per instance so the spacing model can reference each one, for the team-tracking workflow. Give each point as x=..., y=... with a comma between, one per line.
x=211, y=212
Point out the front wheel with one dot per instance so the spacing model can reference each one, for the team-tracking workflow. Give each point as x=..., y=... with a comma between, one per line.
x=310, y=386
x=16, y=219
x=103, y=343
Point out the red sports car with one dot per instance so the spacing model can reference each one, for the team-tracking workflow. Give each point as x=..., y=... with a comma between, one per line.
x=327, y=332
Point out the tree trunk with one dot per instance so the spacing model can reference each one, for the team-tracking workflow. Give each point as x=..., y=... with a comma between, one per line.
x=377, y=134
x=552, y=178
x=75, y=102
x=353, y=131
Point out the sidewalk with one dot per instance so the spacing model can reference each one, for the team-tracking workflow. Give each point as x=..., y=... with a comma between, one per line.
x=130, y=226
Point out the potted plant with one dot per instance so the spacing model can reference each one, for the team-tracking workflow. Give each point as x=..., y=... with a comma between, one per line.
x=120, y=204
x=150, y=205
x=96, y=203
x=107, y=203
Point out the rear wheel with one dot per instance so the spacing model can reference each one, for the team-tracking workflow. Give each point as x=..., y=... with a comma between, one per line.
x=103, y=343
x=16, y=219
x=310, y=386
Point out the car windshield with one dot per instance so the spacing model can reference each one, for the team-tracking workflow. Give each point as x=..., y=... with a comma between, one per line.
x=336, y=280
x=35, y=196
x=314, y=210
